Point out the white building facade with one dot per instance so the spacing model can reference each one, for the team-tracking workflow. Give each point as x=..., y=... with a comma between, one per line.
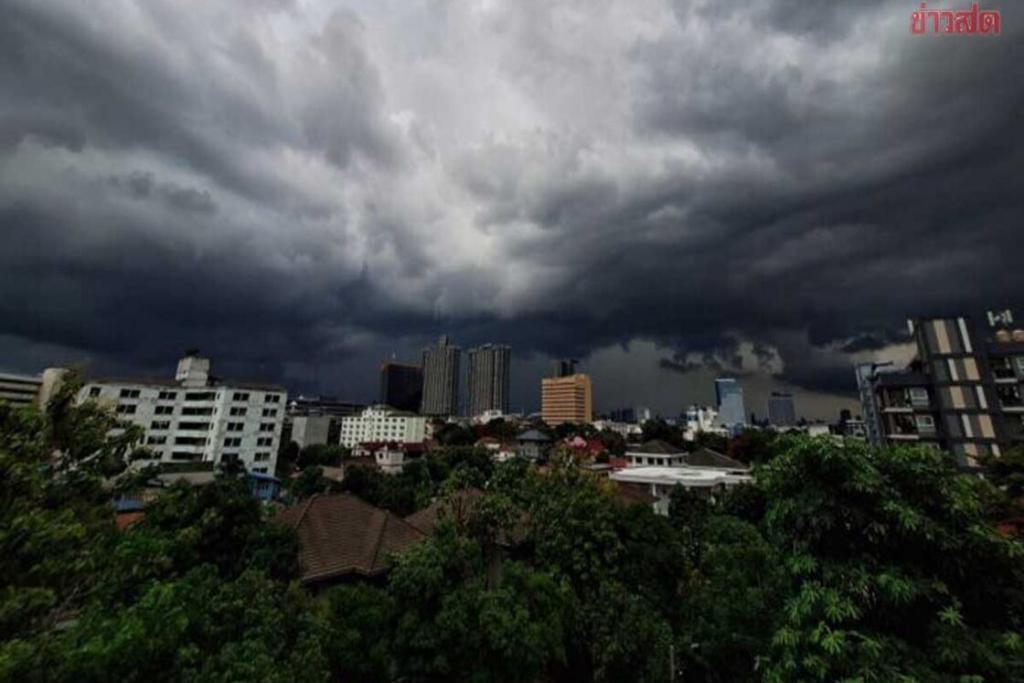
x=381, y=423
x=197, y=418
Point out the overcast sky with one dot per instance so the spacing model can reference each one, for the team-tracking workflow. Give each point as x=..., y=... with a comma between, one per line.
x=663, y=190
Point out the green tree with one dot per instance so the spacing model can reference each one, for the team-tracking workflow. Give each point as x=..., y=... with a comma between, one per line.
x=456, y=624
x=894, y=571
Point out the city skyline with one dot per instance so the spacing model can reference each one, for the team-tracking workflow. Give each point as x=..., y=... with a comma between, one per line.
x=301, y=189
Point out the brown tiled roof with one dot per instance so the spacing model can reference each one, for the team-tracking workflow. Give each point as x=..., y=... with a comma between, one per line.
x=705, y=457
x=460, y=505
x=341, y=535
x=657, y=446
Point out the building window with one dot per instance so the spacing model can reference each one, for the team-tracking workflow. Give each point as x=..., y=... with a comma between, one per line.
x=259, y=470
x=168, y=395
x=195, y=411
x=189, y=441
x=918, y=396
x=240, y=396
x=164, y=410
x=126, y=409
x=232, y=442
x=270, y=412
x=925, y=423
x=195, y=426
x=273, y=398
x=129, y=393
x=267, y=427
x=238, y=412
x=235, y=426
x=1020, y=365
x=160, y=424
x=201, y=396
x=262, y=457
x=156, y=440
x=94, y=392
x=264, y=441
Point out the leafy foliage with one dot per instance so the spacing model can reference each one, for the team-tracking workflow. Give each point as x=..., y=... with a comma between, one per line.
x=842, y=563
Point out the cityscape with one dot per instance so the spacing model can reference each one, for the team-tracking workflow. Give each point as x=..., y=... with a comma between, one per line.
x=504, y=341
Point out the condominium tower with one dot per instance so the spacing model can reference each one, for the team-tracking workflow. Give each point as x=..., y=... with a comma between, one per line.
x=489, y=372
x=441, y=379
x=962, y=393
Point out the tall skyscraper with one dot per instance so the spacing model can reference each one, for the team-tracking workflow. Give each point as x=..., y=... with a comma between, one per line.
x=781, y=409
x=566, y=399
x=489, y=373
x=401, y=385
x=441, y=379
x=729, y=395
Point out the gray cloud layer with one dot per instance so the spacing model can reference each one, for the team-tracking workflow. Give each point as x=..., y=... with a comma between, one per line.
x=299, y=187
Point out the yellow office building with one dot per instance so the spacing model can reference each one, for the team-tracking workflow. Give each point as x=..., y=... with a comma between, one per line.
x=566, y=399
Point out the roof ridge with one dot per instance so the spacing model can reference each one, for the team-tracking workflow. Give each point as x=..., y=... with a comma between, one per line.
x=380, y=539
x=305, y=509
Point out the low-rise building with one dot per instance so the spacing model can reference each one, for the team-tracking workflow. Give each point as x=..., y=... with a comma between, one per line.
x=342, y=538
x=655, y=453
x=196, y=417
x=389, y=456
x=382, y=423
x=532, y=444
x=661, y=481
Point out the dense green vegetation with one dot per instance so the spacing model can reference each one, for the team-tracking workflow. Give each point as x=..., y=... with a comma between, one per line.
x=840, y=564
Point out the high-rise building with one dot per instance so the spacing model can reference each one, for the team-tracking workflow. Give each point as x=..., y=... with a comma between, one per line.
x=963, y=392
x=564, y=367
x=729, y=395
x=781, y=409
x=489, y=373
x=566, y=399
x=441, y=379
x=196, y=417
x=401, y=386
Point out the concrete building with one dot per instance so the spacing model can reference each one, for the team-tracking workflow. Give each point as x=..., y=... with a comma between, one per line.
x=382, y=424
x=441, y=379
x=401, y=386
x=489, y=379
x=313, y=430
x=963, y=392
x=566, y=399
x=197, y=417
x=701, y=419
x=781, y=409
x=729, y=397
x=20, y=390
x=323, y=405
x=661, y=481
x=316, y=420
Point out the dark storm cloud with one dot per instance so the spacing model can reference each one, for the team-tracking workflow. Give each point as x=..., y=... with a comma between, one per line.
x=768, y=188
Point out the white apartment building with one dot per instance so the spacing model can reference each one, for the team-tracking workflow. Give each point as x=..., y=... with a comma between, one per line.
x=196, y=417
x=381, y=423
